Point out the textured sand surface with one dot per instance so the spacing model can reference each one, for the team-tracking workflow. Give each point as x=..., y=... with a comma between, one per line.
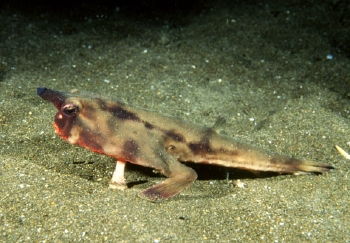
x=279, y=73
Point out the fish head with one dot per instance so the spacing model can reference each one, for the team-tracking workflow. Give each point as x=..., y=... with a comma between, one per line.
x=88, y=120
x=69, y=108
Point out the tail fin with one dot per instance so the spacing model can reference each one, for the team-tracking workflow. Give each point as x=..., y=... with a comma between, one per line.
x=295, y=166
x=312, y=167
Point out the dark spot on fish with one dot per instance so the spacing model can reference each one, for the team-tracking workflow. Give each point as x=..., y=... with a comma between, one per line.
x=123, y=114
x=130, y=150
x=117, y=111
x=201, y=147
x=88, y=140
x=149, y=125
x=175, y=136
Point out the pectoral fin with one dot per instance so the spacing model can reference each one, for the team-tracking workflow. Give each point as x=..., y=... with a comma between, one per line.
x=179, y=178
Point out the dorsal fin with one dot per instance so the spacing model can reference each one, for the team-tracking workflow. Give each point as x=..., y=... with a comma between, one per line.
x=219, y=124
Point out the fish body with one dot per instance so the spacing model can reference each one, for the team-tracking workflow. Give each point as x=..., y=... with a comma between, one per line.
x=150, y=139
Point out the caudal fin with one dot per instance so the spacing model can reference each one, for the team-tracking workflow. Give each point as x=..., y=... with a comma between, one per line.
x=312, y=167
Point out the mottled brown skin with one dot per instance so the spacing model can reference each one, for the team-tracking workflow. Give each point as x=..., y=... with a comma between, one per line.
x=153, y=140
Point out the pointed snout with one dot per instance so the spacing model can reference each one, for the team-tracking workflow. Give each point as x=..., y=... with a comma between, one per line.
x=56, y=97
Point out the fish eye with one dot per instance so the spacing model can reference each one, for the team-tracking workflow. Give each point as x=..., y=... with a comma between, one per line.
x=70, y=109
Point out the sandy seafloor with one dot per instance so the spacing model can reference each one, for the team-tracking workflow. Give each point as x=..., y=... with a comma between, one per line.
x=278, y=72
